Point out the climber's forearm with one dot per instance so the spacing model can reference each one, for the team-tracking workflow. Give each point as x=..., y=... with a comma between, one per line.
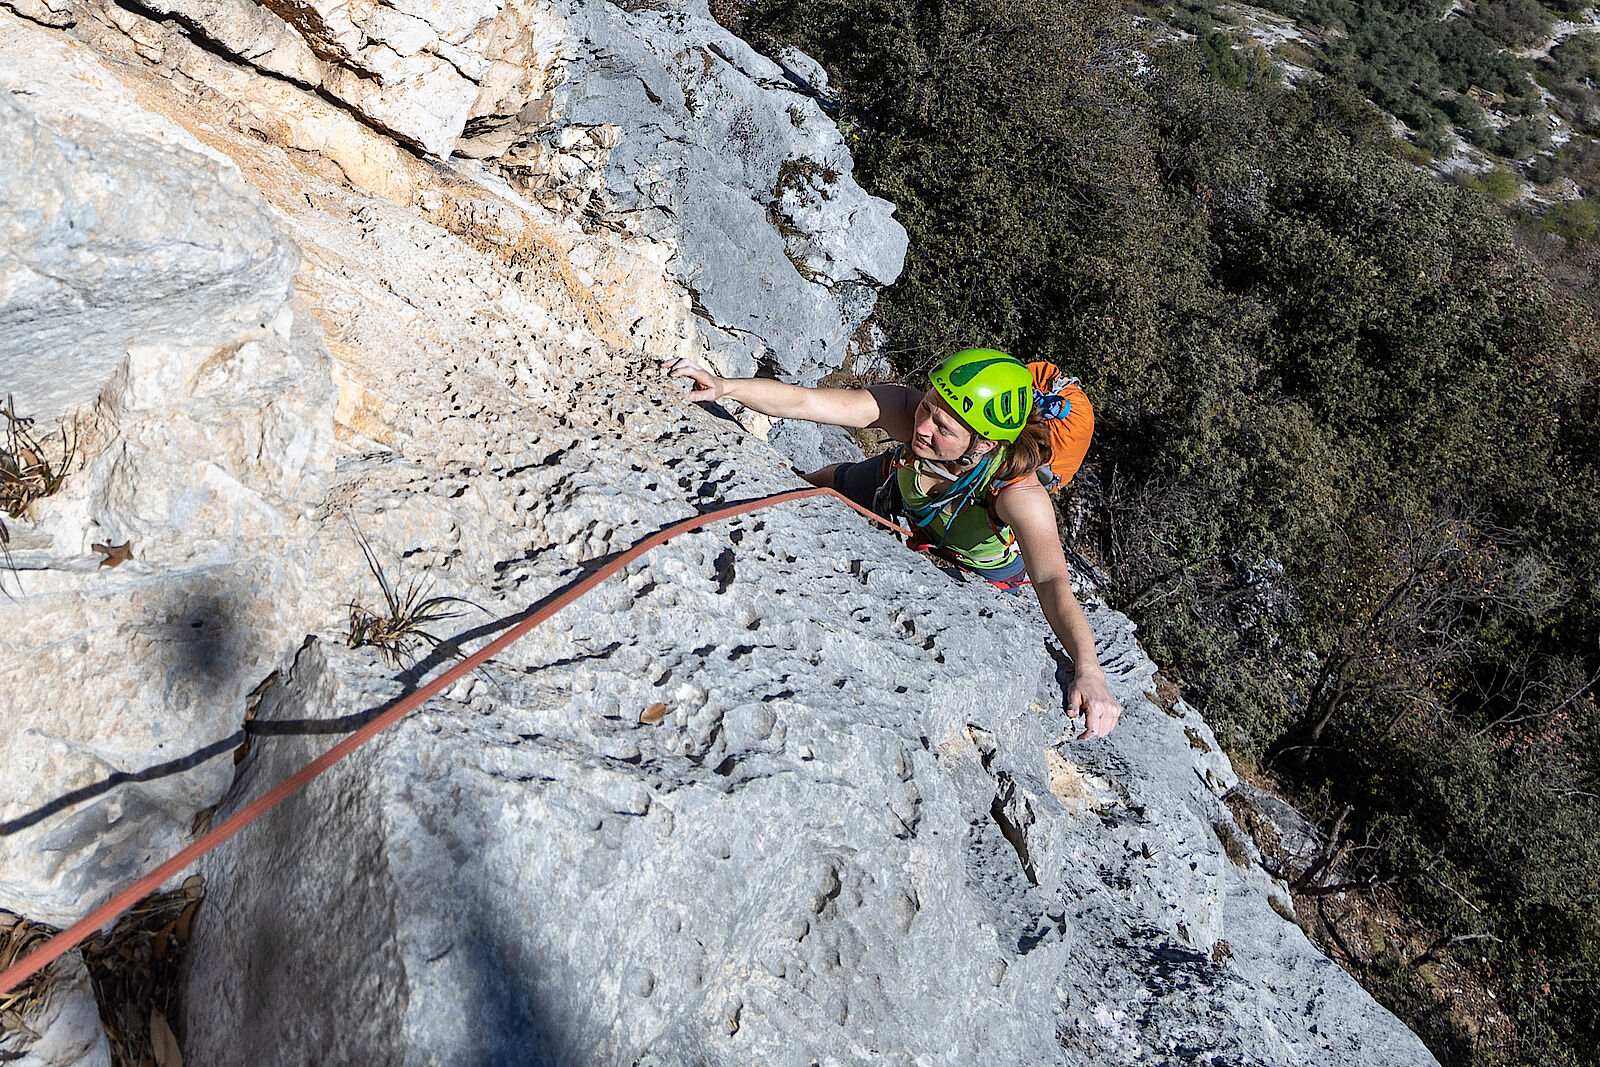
x=1071, y=625
x=1090, y=693
x=1027, y=509
x=837, y=407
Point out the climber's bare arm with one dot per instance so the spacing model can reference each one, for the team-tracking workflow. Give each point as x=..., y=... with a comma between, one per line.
x=1027, y=509
x=888, y=407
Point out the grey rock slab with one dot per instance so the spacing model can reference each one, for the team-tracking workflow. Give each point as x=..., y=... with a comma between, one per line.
x=65, y=1030
x=856, y=835
x=811, y=447
x=720, y=154
x=126, y=232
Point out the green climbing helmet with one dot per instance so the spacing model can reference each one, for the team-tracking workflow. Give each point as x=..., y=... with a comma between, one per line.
x=991, y=391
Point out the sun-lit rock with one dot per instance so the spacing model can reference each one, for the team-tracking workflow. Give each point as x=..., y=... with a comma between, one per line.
x=782, y=792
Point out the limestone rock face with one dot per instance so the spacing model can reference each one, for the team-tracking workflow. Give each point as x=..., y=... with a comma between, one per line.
x=124, y=232
x=650, y=117
x=56, y=13
x=252, y=32
x=859, y=831
x=144, y=275
x=418, y=70
x=734, y=162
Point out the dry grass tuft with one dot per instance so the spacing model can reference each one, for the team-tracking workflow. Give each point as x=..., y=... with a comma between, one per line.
x=18, y=937
x=6, y=564
x=135, y=968
x=398, y=628
x=30, y=469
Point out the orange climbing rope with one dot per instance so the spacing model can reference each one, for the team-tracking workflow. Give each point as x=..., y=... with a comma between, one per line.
x=69, y=938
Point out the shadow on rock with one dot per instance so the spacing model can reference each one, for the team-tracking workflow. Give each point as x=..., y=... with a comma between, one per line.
x=105, y=785
x=198, y=644
x=517, y=1027
x=200, y=641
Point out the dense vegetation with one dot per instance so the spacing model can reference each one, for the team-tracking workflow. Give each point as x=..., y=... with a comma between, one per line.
x=1347, y=472
x=1493, y=72
x=1419, y=65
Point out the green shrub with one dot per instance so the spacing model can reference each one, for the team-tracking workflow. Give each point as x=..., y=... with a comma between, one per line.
x=1290, y=51
x=1572, y=74
x=1515, y=23
x=1573, y=221
x=1200, y=23
x=1411, y=59
x=1236, y=65
x=1579, y=159
x=1522, y=138
x=1576, y=58
x=1498, y=185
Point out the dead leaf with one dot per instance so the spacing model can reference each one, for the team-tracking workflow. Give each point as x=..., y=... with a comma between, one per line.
x=158, y=947
x=184, y=927
x=163, y=1042
x=114, y=554
x=653, y=714
x=202, y=820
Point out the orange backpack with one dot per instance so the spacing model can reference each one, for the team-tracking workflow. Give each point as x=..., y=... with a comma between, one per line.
x=1070, y=418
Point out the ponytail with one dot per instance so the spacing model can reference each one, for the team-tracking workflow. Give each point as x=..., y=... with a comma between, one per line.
x=1029, y=452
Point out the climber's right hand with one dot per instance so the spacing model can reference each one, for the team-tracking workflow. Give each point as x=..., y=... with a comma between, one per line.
x=708, y=385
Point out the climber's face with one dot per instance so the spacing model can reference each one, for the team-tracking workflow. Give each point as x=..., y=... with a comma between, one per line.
x=937, y=432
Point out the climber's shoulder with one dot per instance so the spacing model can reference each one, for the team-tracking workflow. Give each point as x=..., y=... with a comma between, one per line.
x=897, y=409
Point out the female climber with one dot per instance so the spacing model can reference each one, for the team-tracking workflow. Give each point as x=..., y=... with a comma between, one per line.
x=964, y=474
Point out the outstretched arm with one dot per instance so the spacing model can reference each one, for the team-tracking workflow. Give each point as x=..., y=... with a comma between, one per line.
x=887, y=407
x=1026, y=508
